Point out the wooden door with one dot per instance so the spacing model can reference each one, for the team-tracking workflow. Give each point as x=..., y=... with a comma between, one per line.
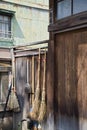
x=70, y=80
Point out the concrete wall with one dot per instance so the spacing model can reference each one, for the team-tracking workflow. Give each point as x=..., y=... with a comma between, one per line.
x=29, y=22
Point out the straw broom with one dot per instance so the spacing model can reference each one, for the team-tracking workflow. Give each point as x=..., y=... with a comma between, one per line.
x=13, y=100
x=5, y=107
x=42, y=110
x=33, y=114
x=9, y=104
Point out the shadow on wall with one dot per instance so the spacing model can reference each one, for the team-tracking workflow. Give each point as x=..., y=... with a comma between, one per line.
x=17, y=31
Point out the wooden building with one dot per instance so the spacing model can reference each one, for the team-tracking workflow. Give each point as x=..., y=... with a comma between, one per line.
x=67, y=67
x=5, y=68
x=25, y=74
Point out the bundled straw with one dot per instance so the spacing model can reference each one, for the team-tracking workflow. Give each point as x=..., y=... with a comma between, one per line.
x=13, y=103
x=33, y=114
x=5, y=107
x=42, y=110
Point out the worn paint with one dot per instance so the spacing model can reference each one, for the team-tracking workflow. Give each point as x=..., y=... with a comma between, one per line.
x=28, y=23
x=4, y=42
x=33, y=3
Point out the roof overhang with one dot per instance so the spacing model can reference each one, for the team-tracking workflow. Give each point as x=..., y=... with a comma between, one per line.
x=7, y=12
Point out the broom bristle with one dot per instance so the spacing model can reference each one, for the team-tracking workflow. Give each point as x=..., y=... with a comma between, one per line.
x=13, y=103
x=42, y=111
x=33, y=114
x=10, y=101
x=16, y=103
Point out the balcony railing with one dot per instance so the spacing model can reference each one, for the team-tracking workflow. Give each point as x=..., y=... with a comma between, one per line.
x=6, y=35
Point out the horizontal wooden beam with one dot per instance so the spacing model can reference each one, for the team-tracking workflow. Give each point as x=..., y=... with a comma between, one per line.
x=68, y=23
x=31, y=44
x=24, y=50
x=28, y=53
x=32, y=47
x=5, y=53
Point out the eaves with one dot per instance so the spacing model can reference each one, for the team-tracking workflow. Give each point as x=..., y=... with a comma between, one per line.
x=25, y=4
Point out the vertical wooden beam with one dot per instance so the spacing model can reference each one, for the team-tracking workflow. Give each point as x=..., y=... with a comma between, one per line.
x=33, y=78
x=52, y=9
x=50, y=84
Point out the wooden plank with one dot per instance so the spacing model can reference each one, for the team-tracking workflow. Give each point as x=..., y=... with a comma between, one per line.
x=82, y=85
x=31, y=47
x=5, y=69
x=32, y=44
x=21, y=64
x=71, y=22
x=82, y=79
x=27, y=53
x=65, y=81
x=33, y=78
x=5, y=54
x=30, y=78
x=50, y=85
x=59, y=74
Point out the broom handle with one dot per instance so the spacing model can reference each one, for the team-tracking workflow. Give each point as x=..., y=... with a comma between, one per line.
x=13, y=69
x=44, y=79
x=27, y=71
x=33, y=78
x=9, y=91
x=38, y=85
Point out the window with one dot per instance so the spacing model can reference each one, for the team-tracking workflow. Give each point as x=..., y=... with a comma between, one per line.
x=79, y=6
x=63, y=9
x=5, y=26
x=67, y=8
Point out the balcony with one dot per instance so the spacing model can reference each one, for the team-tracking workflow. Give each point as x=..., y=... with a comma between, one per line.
x=8, y=35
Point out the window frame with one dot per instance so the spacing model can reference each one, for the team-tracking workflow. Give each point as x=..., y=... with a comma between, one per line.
x=10, y=14
x=74, y=22
x=59, y=1
x=72, y=10
x=4, y=33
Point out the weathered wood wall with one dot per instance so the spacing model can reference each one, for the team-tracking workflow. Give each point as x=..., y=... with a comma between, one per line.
x=70, y=80
x=5, y=68
x=21, y=82
x=68, y=50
